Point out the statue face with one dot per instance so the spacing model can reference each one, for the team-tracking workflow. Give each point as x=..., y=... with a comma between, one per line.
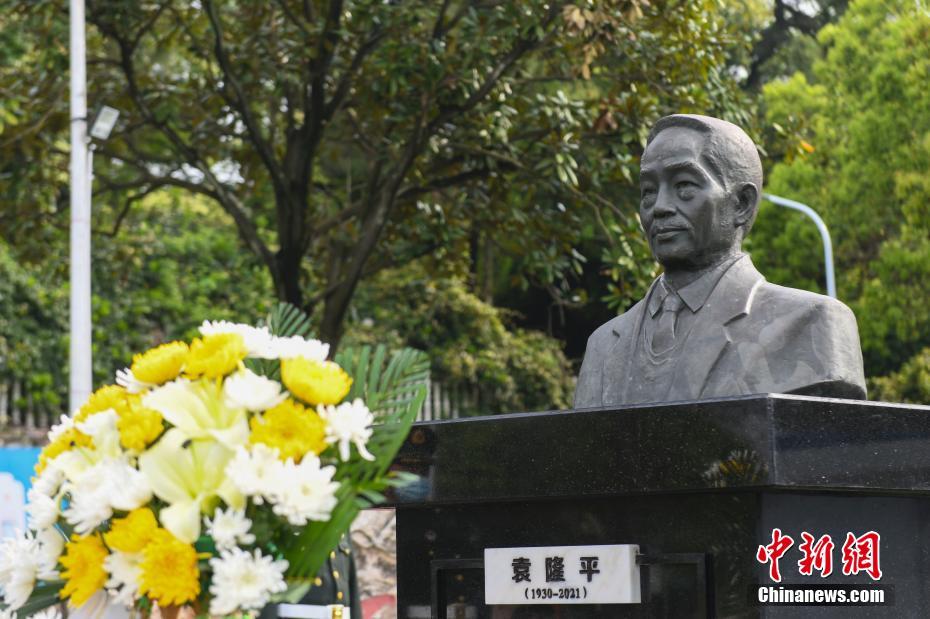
x=685, y=210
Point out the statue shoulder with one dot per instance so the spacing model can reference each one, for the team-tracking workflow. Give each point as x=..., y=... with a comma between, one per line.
x=819, y=305
x=607, y=333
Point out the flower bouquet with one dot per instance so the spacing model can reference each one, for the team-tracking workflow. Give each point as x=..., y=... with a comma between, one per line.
x=215, y=475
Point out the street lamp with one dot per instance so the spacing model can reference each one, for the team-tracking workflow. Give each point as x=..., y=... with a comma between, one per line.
x=104, y=121
x=824, y=235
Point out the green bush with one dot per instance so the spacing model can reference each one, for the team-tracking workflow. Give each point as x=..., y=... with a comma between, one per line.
x=470, y=343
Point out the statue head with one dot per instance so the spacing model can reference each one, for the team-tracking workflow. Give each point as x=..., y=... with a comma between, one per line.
x=700, y=182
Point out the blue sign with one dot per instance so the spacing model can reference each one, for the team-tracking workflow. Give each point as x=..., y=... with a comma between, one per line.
x=19, y=462
x=16, y=470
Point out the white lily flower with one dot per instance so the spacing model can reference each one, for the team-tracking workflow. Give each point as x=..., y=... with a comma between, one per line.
x=246, y=389
x=297, y=346
x=348, y=423
x=188, y=476
x=199, y=410
x=257, y=339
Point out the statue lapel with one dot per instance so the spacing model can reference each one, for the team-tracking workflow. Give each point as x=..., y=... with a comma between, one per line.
x=617, y=364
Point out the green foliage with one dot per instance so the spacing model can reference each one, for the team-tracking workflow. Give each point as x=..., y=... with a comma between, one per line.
x=911, y=383
x=344, y=135
x=856, y=147
x=32, y=342
x=177, y=264
x=469, y=342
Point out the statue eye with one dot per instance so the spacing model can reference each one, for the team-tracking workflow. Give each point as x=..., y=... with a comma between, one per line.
x=647, y=192
x=686, y=189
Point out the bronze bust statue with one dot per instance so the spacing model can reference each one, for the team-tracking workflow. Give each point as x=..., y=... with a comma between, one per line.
x=710, y=325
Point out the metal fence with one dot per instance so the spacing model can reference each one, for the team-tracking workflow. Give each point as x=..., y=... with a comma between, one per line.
x=443, y=401
x=18, y=410
x=451, y=401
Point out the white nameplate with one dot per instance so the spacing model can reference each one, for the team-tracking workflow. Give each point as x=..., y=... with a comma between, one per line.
x=562, y=575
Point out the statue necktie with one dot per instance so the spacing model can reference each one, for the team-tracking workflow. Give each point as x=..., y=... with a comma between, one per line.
x=664, y=336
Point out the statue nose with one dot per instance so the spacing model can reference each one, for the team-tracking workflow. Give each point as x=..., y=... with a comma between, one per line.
x=663, y=207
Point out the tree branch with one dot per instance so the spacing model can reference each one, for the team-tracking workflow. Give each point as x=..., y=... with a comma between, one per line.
x=240, y=102
x=226, y=199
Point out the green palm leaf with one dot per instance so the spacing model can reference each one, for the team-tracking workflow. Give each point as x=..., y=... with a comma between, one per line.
x=394, y=388
x=286, y=320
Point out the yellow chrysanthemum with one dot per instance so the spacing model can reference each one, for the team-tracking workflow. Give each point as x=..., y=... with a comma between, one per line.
x=138, y=425
x=292, y=428
x=67, y=440
x=169, y=570
x=216, y=355
x=160, y=364
x=110, y=396
x=84, y=574
x=132, y=533
x=314, y=382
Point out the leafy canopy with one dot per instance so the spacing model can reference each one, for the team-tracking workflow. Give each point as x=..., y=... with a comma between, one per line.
x=856, y=147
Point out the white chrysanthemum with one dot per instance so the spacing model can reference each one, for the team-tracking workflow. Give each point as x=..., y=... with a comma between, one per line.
x=229, y=527
x=7, y=614
x=254, y=473
x=110, y=484
x=350, y=422
x=49, y=480
x=296, y=346
x=19, y=566
x=246, y=389
x=51, y=545
x=64, y=424
x=98, y=606
x=305, y=491
x=52, y=612
x=125, y=572
x=42, y=509
x=244, y=581
x=128, y=381
x=257, y=339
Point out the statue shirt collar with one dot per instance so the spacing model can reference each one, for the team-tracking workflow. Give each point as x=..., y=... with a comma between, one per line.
x=694, y=294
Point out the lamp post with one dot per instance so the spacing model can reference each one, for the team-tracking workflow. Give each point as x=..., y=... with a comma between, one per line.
x=824, y=235
x=80, y=376
x=80, y=381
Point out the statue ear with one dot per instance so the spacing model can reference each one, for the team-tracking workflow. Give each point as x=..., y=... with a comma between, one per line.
x=747, y=198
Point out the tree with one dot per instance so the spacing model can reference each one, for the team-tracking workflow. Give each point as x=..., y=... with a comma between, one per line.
x=344, y=136
x=855, y=144
x=793, y=23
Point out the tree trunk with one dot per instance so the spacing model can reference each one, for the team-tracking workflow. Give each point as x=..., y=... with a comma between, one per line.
x=289, y=271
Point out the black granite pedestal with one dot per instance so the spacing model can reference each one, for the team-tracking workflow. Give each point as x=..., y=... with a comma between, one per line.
x=697, y=485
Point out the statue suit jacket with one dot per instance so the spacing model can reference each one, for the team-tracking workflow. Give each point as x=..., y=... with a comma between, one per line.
x=749, y=337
